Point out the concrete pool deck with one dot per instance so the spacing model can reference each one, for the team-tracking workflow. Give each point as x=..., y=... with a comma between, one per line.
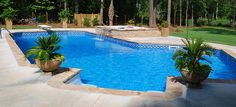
x=22, y=86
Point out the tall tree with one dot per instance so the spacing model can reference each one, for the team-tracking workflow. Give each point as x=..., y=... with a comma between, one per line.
x=101, y=12
x=169, y=12
x=43, y=5
x=65, y=4
x=111, y=13
x=142, y=10
x=192, y=13
x=217, y=8
x=152, y=19
x=180, y=13
x=186, y=13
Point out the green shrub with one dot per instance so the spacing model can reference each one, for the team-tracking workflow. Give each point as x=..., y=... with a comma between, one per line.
x=220, y=22
x=75, y=21
x=233, y=25
x=41, y=18
x=95, y=21
x=190, y=22
x=202, y=22
x=8, y=13
x=86, y=22
x=64, y=15
x=191, y=62
x=131, y=22
x=164, y=24
x=191, y=57
x=46, y=48
x=139, y=24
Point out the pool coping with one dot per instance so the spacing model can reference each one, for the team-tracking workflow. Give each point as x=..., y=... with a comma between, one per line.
x=173, y=89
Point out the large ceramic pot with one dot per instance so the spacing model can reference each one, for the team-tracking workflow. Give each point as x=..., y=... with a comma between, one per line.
x=8, y=23
x=194, y=78
x=48, y=66
x=64, y=24
x=165, y=32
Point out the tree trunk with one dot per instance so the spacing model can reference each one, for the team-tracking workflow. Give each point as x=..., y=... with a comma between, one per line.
x=46, y=17
x=155, y=14
x=186, y=17
x=192, y=16
x=150, y=13
x=234, y=18
x=174, y=17
x=142, y=20
x=76, y=6
x=111, y=13
x=234, y=15
x=217, y=9
x=65, y=4
x=180, y=13
x=152, y=10
x=169, y=12
x=101, y=12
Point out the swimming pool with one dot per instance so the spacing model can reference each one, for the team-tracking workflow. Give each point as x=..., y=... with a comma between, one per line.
x=111, y=63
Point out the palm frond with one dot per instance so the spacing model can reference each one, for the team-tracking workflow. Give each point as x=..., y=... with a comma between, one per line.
x=190, y=56
x=46, y=48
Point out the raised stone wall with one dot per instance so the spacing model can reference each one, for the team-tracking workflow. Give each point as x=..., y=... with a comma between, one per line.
x=128, y=33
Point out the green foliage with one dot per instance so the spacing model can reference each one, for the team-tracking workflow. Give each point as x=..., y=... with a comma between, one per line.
x=41, y=18
x=125, y=9
x=220, y=35
x=202, y=22
x=64, y=15
x=5, y=3
x=75, y=21
x=8, y=13
x=42, y=5
x=190, y=22
x=131, y=22
x=143, y=9
x=46, y=49
x=89, y=6
x=220, y=22
x=191, y=58
x=164, y=24
x=86, y=22
x=95, y=21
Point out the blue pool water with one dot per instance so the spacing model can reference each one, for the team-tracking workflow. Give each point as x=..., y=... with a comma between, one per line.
x=116, y=64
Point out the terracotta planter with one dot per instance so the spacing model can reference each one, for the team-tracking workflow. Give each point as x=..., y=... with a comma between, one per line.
x=48, y=66
x=64, y=24
x=194, y=78
x=165, y=32
x=8, y=23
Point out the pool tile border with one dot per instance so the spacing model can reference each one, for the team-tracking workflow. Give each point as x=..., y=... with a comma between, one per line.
x=18, y=54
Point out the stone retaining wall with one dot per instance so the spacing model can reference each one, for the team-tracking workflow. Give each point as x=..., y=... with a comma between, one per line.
x=128, y=33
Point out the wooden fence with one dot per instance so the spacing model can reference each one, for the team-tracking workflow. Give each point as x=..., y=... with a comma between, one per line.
x=79, y=18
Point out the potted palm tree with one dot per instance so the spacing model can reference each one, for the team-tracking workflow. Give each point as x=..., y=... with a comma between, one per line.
x=45, y=53
x=165, y=29
x=191, y=61
x=8, y=14
x=64, y=15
